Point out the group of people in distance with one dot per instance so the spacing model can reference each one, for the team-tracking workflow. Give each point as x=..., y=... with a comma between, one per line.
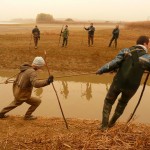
x=65, y=35
x=91, y=30
x=130, y=64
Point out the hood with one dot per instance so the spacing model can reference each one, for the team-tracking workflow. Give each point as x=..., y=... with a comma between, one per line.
x=25, y=66
x=143, y=47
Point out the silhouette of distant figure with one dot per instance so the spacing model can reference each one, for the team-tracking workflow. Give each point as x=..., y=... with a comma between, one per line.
x=65, y=90
x=115, y=36
x=36, y=35
x=88, y=91
x=107, y=87
x=91, y=30
x=65, y=35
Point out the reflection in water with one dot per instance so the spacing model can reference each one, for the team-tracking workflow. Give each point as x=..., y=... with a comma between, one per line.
x=38, y=92
x=107, y=87
x=93, y=88
x=65, y=90
x=88, y=91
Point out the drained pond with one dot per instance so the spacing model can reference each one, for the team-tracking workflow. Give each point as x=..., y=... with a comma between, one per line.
x=80, y=96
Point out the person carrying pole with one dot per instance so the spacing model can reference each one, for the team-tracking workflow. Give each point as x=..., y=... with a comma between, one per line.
x=23, y=86
x=65, y=34
x=36, y=36
x=60, y=35
x=130, y=64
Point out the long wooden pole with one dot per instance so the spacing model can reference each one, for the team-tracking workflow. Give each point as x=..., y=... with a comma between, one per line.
x=56, y=94
x=139, y=98
x=60, y=34
x=30, y=42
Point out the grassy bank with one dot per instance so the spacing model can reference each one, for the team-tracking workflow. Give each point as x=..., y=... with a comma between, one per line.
x=51, y=134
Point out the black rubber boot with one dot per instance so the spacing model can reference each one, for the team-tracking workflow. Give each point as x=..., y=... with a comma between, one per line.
x=30, y=117
x=118, y=112
x=2, y=116
x=113, y=120
x=106, y=112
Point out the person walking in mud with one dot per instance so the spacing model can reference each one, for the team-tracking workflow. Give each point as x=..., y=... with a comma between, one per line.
x=131, y=64
x=65, y=34
x=36, y=36
x=115, y=36
x=23, y=86
x=91, y=30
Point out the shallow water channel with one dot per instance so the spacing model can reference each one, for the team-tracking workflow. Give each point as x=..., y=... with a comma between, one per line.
x=80, y=96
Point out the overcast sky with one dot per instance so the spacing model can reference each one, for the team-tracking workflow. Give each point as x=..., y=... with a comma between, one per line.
x=114, y=10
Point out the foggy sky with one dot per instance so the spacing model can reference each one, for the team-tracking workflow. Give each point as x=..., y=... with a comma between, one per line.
x=109, y=10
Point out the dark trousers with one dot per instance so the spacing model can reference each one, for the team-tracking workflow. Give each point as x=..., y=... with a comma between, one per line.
x=65, y=42
x=36, y=41
x=110, y=99
x=112, y=39
x=90, y=40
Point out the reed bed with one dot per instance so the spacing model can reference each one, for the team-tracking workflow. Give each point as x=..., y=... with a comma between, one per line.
x=51, y=134
x=140, y=25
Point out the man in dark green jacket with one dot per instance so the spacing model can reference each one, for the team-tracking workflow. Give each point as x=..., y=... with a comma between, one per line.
x=131, y=64
x=65, y=35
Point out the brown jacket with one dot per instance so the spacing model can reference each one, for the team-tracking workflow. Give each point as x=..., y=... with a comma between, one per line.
x=25, y=81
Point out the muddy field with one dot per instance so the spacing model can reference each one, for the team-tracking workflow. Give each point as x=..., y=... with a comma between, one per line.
x=17, y=47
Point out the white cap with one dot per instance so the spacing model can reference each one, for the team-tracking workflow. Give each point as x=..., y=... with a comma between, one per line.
x=38, y=61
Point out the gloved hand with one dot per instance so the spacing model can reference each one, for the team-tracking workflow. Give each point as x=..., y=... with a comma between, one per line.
x=50, y=79
x=98, y=72
x=6, y=82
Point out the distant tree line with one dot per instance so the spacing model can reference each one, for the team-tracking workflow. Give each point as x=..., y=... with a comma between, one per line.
x=44, y=18
x=47, y=18
x=69, y=19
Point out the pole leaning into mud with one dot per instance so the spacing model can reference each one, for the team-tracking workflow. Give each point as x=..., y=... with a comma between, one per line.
x=56, y=94
x=30, y=42
x=60, y=35
x=139, y=98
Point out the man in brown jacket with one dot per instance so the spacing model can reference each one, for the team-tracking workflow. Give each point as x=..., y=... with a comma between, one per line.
x=23, y=86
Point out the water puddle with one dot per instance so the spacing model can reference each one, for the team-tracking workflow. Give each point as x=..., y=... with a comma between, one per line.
x=80, y=97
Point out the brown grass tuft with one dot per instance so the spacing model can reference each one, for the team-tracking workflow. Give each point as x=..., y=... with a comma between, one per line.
x=141, y=25
x=51, y=134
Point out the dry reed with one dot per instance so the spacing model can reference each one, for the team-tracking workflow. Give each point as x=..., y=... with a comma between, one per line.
x=51, y=134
